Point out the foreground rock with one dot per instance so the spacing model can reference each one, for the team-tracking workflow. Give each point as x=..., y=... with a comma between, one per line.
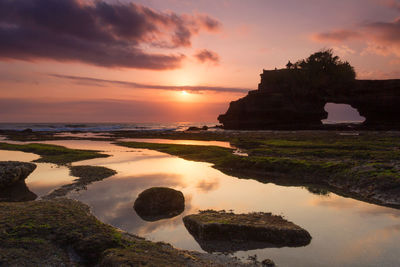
x=62, y=232
x=16, y=193
x=12, y=172
x=159, y=203
x=223, y=231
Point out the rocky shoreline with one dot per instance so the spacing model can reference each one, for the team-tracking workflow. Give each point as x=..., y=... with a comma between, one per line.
x=64, y=232
x=363, y=166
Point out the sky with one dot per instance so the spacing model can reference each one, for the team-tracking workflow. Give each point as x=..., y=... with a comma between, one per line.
x=173, y=60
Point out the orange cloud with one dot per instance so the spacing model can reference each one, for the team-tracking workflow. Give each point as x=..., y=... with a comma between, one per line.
x=336, y=36
x=381, y=38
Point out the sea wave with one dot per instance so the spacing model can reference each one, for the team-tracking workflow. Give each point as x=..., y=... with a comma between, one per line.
x=101, y=127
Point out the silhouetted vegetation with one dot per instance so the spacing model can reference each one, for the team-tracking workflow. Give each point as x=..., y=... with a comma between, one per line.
x=323, y=68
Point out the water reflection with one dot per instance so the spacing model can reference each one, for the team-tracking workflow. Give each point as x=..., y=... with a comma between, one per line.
x=375, y=242
x=363, y=209
x=115, y=197
x=83, y=134
x=48, y=177
x=179, y=142
x=207, y=185
x=229, y=247
x=346, y=232
x=317, y=190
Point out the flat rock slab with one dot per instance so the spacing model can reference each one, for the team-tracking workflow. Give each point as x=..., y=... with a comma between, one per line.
x=158, y=203
x=253, y=228
x=12, y=172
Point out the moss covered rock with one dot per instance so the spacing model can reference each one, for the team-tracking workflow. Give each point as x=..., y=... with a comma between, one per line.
x=255, y=230
x=62, y=232
x=158, y=203
x=12, y=172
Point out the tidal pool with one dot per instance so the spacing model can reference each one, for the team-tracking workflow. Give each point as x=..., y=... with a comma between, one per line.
x=345, y=232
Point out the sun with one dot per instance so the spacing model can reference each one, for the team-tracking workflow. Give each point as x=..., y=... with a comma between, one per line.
x=185, y=96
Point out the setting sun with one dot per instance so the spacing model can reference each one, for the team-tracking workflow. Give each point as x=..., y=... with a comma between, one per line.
x=184, y=93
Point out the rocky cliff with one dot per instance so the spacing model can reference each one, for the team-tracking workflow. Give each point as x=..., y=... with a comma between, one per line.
x=284, y=101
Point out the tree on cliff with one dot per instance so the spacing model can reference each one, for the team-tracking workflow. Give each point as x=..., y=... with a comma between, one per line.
x=323, y=68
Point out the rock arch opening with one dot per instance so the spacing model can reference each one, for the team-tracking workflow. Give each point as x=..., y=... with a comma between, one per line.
x=342, y=113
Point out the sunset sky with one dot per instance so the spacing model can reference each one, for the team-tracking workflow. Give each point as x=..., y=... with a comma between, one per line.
x=173, y=60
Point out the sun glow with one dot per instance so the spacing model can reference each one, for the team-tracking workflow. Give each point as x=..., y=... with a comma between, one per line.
x=185, y=96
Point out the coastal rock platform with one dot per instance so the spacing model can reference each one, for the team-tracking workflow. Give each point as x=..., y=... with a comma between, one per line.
x=256, y=229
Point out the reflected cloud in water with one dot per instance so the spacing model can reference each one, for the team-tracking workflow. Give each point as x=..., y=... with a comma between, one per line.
x=376, y=244
x=208, y=185
x=346, y=232
x=112, y=200
x=362, y=208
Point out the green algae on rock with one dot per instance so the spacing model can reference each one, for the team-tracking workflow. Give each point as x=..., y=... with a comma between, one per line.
x=243, y=231
x=62, y=232
x=53, y=153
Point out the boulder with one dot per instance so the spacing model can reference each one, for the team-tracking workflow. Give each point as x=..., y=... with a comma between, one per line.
x=12, y=172
x=226, y=232
x=159, y=203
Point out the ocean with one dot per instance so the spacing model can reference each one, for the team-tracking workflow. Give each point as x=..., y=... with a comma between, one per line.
x=102, y=127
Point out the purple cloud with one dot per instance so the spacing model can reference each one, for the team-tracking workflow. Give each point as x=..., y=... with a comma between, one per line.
x=207, y=56
x=189, y=88
x=98, y=32
x=380, y=37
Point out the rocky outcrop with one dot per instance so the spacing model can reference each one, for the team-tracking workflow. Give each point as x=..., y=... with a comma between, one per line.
x=159, y=203
x=225, y=232
x=283, y=101
x=12, y=172
x=63, y=232
x=194, y=128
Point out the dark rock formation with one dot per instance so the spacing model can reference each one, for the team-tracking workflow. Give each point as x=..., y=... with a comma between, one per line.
x=158, y=203
x=12, y=172
x=227, y=232
x=18, y=192
x=284, y=101
x=267, y=263
x=194, y=128
x=12, y=181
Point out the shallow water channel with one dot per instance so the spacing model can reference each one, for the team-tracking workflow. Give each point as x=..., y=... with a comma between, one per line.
x=345, y=232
